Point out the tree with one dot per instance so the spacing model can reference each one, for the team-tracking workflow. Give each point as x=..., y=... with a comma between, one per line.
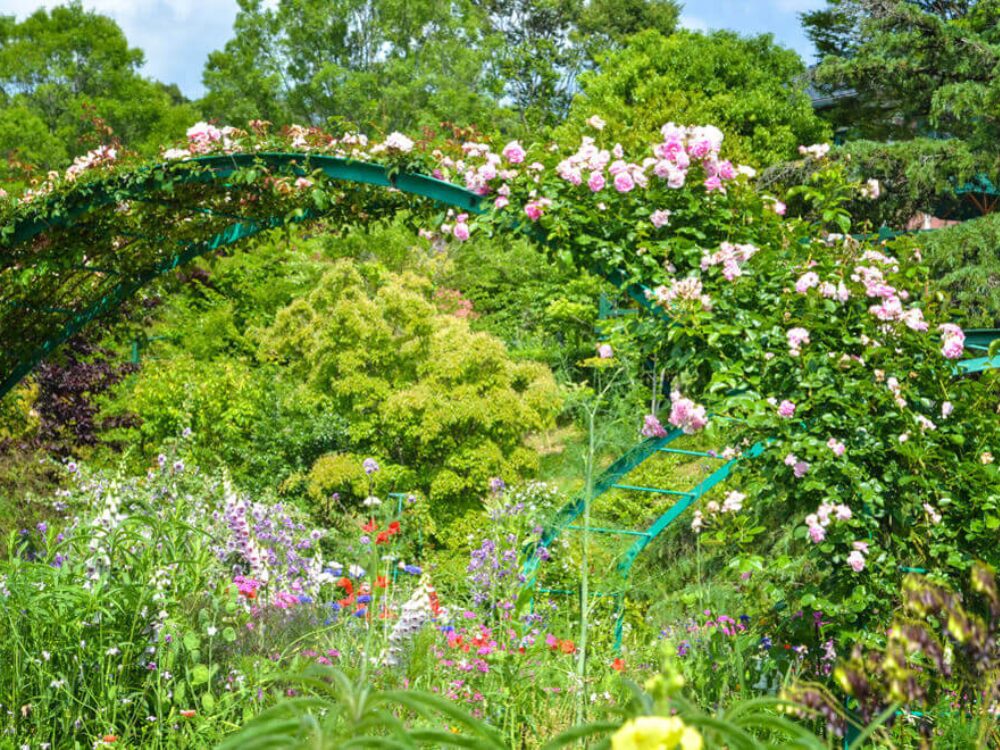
x=401, y=64
x=909, y=70
x=747, y=86
x=62, y=71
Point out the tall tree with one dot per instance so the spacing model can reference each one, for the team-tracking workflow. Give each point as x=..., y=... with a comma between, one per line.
x=405, y=63
x=748, y=86
x=911, y=69
x=64, y=69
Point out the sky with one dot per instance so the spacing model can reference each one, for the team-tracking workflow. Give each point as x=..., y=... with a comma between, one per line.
x=177, y=35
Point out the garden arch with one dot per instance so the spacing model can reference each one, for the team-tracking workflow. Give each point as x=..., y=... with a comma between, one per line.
x=80, y=249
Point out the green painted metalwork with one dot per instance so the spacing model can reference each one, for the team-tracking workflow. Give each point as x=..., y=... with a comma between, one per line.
x=654, y=490
x=602, y=530
x=700, y=454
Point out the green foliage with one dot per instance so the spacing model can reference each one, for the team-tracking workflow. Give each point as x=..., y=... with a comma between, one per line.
x=64, y=69
x=499, y=64
x=747, y=86
x=905, y=70
x=965, y=263
x=418, y=388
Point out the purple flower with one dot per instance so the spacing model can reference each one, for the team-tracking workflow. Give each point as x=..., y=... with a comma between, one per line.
x=370, y=466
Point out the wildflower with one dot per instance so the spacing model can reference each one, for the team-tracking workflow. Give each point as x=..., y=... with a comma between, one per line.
x=656, y=733
x=946, y=409
x=985, y=458
x=188, y=713
x=733, y=502
x=604, y=351
x=779, y=208
x=618, y=665
x=697, y=522
x=212, y=630
x=371, y=502
x=567, y=647
x=370, y=466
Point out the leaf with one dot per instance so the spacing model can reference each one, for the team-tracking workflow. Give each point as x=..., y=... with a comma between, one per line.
x=200, y=674
x=207, y=702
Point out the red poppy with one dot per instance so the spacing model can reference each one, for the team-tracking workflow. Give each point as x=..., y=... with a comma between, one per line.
x=345, y=583
x=381, y=582
x=109, y=738
x=618, y=665
x=386, y=614
x=435, y=602
x=188, y=713
x=567, y=647
x=394, y=527
x=369, y=527
x=383, y=537
x=346, y=602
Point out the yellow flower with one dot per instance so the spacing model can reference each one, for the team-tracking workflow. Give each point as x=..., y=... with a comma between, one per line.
x=656, y=733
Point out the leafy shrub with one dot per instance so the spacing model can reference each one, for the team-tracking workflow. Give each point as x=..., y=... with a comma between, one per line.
x=964, y=262
x=418, y=388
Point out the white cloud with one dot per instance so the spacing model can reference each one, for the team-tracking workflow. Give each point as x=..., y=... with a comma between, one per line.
x=693, y=23
x=798, y=6
x=175, y=35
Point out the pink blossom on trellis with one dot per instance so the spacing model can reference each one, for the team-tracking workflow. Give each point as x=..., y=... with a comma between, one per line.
x=686, y=414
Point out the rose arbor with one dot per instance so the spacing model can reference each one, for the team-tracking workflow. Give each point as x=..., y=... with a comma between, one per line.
x=818, y=353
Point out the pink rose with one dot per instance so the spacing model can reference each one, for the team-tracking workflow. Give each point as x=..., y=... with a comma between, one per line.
x=624, y=182
x=786, y=409
x=660, y=218
x=461, y=231
x=514, y=152
x=596, y=182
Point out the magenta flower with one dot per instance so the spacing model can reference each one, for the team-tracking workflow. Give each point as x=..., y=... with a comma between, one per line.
x=596, y=182
x=652, y=427
x=786, y=409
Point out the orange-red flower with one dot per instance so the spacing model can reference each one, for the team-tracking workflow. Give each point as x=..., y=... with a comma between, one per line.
x=109, y=738
x=394, y=527
x=188, y=713
x=383, y=537
x=618, y=665
x=369, y=527
x=381, y=582
x=567, y=646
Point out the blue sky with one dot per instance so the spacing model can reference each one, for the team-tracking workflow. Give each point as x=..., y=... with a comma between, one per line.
x=177, y=35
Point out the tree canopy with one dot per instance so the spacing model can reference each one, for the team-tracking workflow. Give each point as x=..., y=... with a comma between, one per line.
x=66, y=70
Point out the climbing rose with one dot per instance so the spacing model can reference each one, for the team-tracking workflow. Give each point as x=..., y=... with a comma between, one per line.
x=779, y=208
x=604, y=351
x=952, y=340
x=203, y=133
x=806, y=282
x=786, y=409
x=796, y=338
x=686, y=414
x=836, y=446
x=652, y=427
x=624, y=182
x=399, y=142
x=461, y=231
x=533, y=210
x=513, y=152
x=857, y=561
x=596, y=182
x=660, y=218
x=946, y=409
x=596, y=122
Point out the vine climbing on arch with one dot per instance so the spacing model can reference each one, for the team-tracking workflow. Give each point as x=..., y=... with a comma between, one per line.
x=822, y=347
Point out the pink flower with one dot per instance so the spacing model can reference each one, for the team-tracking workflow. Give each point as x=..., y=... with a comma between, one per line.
x=502, y=201
x=800, y=469
x=946, y=409
x=861, y=547
x=303, y=183
x=604, y=351
x=399, y=142
x=652, y=427
x=843, y=513
x=203, y=133
x=461, y=231
x=786, y=409
x=513, y=152
x=836, y=446
x=817, y=533
x=596, y=122
x=660, y=218
x=952, y=340
x=796, y=338
x=624, y=182
x=857, y=561
x=806, y=282
x=533, y=210
x=686, y=414
x=596, y=182
x=713, y=183
x=779, y=208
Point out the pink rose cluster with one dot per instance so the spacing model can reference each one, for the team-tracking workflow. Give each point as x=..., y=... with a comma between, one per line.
x=731, y=257
x=686, y=414
x=857, y=558
x=101, y=156
x=799, y=468
x=797, y=338
x=825, y=514
x=652, y=428
x=952, y=340
x=682, y=292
